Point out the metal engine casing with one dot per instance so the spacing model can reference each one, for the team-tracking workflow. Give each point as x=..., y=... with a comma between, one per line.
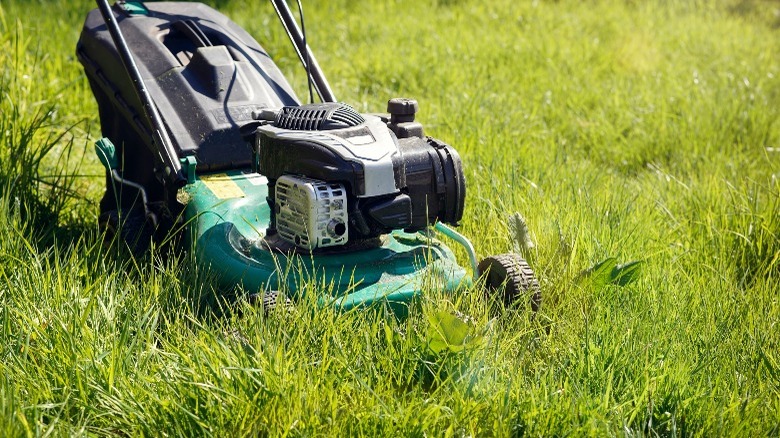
x=311, y=213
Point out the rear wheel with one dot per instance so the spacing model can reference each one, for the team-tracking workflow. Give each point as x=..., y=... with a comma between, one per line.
x=509, y=278
x=131, y=229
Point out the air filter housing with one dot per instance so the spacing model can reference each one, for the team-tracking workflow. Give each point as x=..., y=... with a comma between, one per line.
x=311, y=213
x=318, y=117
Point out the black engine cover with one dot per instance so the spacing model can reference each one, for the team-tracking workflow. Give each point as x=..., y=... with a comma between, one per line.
x=324, y=142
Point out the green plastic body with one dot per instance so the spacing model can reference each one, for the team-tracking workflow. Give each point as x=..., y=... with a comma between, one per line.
x=228, y=216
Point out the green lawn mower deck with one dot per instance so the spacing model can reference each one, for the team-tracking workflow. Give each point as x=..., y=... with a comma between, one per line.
x=228, y=216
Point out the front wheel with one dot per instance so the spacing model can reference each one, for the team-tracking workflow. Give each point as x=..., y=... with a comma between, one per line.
x=510, y=276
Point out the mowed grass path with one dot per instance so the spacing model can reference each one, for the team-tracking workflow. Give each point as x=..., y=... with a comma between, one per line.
x=622, y=131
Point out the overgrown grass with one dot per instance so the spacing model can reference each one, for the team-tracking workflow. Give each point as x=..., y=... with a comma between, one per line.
x=38, y=153
x=621, y=130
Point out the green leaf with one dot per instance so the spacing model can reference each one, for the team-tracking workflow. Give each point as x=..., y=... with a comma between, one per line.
x=608, y=271
x=447, y=332
x=626, y=273
x=600, y=274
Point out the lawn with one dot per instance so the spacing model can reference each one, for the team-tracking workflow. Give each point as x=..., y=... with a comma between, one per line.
x=622, y=131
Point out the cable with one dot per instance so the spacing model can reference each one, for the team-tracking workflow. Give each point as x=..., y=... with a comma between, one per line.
x=306, y=49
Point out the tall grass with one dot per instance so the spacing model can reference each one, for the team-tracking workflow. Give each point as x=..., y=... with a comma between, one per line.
x=35, y=147
x=622, y=131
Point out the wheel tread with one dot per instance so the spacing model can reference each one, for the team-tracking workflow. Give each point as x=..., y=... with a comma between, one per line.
x=512, y=273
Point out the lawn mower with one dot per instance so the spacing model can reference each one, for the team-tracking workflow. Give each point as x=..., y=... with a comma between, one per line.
x=203, y=136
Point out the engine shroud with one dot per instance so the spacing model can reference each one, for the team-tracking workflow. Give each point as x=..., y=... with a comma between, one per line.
x=391, y=183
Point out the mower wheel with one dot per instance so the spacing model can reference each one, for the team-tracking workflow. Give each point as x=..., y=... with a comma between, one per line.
x=512, y=277
x=269, y=300
x=132, y=229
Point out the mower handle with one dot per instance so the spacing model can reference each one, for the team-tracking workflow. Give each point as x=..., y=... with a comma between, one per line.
x=305, y=54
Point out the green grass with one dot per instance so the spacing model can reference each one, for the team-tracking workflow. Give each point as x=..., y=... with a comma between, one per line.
x=621, y=131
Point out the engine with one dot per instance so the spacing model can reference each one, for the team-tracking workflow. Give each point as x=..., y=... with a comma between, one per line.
x=337, y=176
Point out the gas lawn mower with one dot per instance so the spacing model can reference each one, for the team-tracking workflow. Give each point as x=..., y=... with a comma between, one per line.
x=202, y=133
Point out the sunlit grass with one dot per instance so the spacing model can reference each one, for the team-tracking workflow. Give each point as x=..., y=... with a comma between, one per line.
x=622, y=131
